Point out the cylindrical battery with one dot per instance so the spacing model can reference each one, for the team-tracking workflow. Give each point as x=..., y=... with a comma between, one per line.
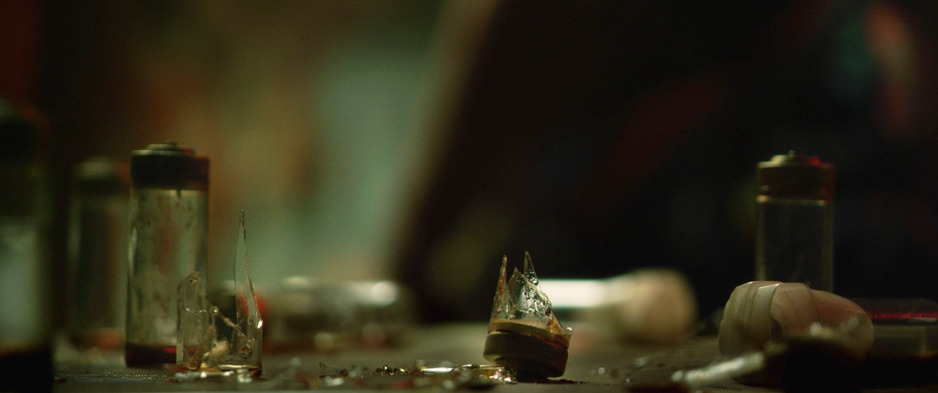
x=795, y=220
x=26, y=306
x=98, y=254
x=168, y=241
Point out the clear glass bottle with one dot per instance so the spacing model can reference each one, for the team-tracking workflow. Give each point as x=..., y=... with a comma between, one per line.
x=98, y=254
x=168, y=241
x=795, y=221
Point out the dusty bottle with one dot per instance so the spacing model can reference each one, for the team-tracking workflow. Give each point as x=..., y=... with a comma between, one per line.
x=168, y=235
x=795, y=221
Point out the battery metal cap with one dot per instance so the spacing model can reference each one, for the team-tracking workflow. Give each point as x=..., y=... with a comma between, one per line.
x=166, y=165
x=795, y=176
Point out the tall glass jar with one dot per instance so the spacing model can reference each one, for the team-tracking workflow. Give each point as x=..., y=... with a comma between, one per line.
x=795, y=221
x=168, y=241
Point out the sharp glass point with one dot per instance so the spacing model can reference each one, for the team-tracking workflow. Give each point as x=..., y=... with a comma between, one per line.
x=529, y=272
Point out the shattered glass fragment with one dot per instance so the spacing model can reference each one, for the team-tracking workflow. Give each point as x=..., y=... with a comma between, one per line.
x=208, y=341
x=524, y=334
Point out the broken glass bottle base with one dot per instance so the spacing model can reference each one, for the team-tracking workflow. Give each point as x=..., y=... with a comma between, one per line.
x=524, y=334
x=531, y=352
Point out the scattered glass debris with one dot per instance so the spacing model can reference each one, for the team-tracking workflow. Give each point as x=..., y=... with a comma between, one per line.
x=417, y=376
x=241, y=375
x=524, y=334
x=210, y=344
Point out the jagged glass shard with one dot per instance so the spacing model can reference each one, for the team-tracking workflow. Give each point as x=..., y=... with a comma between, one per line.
x=196, y=332
x=519, y=299
x=208, y=341
x=501, y=305
x=250, y=324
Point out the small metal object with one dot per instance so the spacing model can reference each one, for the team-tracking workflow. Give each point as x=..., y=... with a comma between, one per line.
x=168, y=241
x=533, y=353
x=795, y=220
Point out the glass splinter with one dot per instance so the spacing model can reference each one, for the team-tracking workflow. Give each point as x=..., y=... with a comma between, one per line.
x=208, y=341
x=248, y=312
x=524, y=334
x=196, y=332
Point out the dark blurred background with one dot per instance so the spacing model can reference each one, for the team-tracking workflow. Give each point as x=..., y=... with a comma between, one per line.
x=422, y=140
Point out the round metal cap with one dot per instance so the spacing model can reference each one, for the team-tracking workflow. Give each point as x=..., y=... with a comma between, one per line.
x=796, y=176
x=166, y=165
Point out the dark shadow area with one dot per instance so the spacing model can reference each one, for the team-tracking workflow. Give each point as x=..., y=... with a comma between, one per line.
x=606, y=137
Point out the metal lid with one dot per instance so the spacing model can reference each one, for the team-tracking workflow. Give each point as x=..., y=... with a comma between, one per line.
x=797, y=176
x=166, y=165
